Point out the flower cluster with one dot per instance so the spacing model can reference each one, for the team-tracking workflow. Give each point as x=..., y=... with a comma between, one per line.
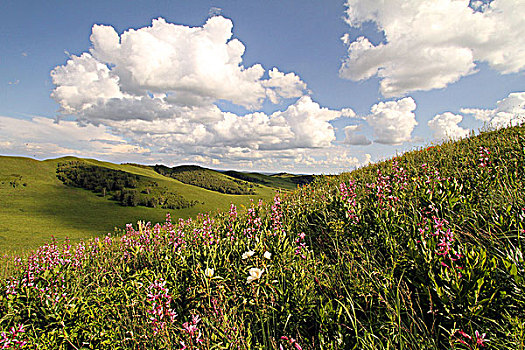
x=484, y=154
x=348, y=196
x=253, y=221
x=12, y=339
x=386, y=187
x=277, y=215
x=192, y=330
x=160, y=310
x=447, y=246
x=301, y=245
x=42, y=271
x=232, y=218
x=478, y=339
x=292, y=342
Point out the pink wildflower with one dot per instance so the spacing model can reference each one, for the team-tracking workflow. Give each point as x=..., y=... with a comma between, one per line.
x=480, y=339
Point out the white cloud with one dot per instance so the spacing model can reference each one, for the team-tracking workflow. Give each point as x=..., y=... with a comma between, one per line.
x=393, y=121
x=159, y=87
x=309, y=124
x=191, y=64
x=446, y=126
x=303, y=124
x=336, y=160
x=282, y=85
x=328, y=161
x=509, y=111
x=430, y=44
x=43, y=137
x=351, y=138
x=348, y=112
x=83, y=83
x=162, y=71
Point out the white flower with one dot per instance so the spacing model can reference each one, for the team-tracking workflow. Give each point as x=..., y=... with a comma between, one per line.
x=267, y=255
x=209, y=272
x=255, y=274
x=247, y=254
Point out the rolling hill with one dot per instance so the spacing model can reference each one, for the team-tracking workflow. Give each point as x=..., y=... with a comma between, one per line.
x=36, y=204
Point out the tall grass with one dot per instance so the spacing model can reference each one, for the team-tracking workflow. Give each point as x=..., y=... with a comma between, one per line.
x=423, y=251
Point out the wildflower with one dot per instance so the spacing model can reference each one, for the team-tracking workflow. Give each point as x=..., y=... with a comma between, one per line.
x=267, y=255
x=255, y=274
x=209, y=272
x=192, y=329
x=12, y=339
x=465, y=334
x=292, y=342
x=480, y=339
x=160, y=300
x=247, y=254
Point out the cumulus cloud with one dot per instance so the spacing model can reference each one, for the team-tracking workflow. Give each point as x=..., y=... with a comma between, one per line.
x=160, y=71
x=281, y=85
x=351, y=138
x=430, y=44
x=445, y=126
x=509, y=111
x=83, y=83
x=393, y=121
x=159, y=88
x=304, y=124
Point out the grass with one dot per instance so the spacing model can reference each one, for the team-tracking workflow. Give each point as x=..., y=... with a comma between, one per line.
x=45, y=207
x=423, y=251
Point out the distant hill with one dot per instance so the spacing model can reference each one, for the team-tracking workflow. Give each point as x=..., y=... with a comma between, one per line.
x=289, y=181
x=206, y=178
x=79, y=198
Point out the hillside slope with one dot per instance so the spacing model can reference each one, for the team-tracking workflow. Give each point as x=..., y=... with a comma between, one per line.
x=36, y=204
x=423, y=251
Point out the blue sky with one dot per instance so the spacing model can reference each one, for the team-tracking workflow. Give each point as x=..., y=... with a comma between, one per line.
x=299, y=86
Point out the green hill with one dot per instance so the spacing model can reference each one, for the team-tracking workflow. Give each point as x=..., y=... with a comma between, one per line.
x=36, y=204
x=206, y=178
x=289, y=182
x=422, y=251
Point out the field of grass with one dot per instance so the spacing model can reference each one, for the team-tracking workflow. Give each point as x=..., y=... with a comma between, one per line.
x=45, y=207
x=423, y=251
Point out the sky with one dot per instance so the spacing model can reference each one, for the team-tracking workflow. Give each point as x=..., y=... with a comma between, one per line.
x=255, y=85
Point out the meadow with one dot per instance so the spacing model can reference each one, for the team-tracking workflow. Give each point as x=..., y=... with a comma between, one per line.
x=422, y=251
x=36, y=205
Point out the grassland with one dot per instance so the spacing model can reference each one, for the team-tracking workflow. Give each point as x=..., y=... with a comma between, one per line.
x=423, y=251
x=39, y=206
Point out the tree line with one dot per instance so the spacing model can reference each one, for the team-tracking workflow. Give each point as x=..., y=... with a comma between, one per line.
x=128, y=189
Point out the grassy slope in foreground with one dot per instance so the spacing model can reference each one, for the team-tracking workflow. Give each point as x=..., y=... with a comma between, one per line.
x=31, y=214
x=424, y=251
